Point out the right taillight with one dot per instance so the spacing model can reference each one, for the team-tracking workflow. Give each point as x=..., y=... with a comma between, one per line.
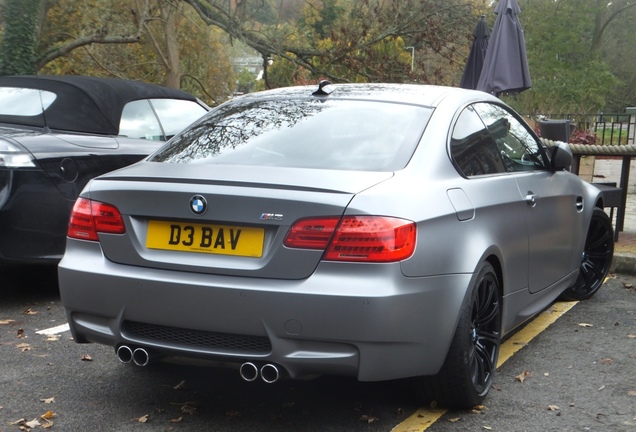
x=91, y=217
x=356, y=238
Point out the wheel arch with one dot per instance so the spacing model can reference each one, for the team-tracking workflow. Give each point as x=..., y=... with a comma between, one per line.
x=495, y=262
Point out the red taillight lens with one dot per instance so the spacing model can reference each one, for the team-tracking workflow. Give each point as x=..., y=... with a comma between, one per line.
x=311, y=233
x=91, y=217
x=356, y=238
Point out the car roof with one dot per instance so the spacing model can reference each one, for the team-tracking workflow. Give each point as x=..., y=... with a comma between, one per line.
x=85, y=104
x=426, y=95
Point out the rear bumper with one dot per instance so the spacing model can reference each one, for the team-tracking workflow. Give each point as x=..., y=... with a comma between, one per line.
x=367, y=321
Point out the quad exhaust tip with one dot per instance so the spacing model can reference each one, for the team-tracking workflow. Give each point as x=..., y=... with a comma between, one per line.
x=269, y=372
x=141, y=357
x=124, y=354
x=138, y=356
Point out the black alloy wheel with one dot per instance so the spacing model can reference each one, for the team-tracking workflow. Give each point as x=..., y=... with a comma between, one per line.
x=596, y=259
x=468, y=371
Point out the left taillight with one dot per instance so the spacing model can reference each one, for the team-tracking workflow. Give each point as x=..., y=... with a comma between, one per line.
x=89, y=218
x=356, y=238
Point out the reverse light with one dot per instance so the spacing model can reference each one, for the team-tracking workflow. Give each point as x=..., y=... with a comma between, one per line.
x=89, y=218
x=356, y=238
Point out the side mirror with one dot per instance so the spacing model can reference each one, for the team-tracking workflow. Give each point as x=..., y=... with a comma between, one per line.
x=561, y=156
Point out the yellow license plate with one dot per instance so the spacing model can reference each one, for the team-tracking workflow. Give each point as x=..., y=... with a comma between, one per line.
x=205, y=238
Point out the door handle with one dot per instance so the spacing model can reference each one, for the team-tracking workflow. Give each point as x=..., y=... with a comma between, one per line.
x=579, y=203
x=531, y=199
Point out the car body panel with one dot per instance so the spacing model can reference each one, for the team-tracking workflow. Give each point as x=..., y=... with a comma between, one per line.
x=73, y=142
x=283, y=311
x=298, y=307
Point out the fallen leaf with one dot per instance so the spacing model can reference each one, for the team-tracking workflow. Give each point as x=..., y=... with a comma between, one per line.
x=33, y=423
x=47, y=416
x=585, y=325
x=143, y=418
x=180, y=386
x=488, y=427
x=629, y=393
x=478, y=409
x=29, y=311
x=20, y=333
x=607, y=360
x=86, y=357
x=24, y=347
x=48, y=400
x=6, y=321
x=53, y=338
x=553, y=408
x=522, y=376
x=368, y=418
x=189, y=408
x=17, y=422
x=176, y=420
x=631, y=336
x=628, y=285
x=454, y=420
x=601, y=388
x=399, y=411
x=546, y=374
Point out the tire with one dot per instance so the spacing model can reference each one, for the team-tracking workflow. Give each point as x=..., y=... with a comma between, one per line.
x=596, y=259
x=468, y=371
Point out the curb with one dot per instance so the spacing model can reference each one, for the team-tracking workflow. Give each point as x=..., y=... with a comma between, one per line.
x=624, y=263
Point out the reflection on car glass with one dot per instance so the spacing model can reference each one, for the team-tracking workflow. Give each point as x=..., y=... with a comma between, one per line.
x=302, y=133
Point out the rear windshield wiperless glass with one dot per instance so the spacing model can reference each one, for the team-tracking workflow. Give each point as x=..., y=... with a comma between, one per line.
x=302, y=133
x=24, y=101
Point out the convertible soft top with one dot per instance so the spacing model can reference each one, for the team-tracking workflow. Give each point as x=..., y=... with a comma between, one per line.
x=85, y=104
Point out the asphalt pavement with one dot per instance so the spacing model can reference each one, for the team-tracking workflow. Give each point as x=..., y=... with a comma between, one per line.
x=625, y=248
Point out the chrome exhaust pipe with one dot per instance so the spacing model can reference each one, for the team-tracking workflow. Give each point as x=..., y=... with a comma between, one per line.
x=270, y=373
x=124, y=354
x=248, y=371
x=140, y=357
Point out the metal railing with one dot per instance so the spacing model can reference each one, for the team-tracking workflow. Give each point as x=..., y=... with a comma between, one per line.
x=610, y=129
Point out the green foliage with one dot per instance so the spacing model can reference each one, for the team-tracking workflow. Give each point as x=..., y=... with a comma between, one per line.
x=568, y=76
x=203, y=59
x=17, y=50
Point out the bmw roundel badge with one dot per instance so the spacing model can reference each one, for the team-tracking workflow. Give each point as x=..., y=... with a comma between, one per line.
x=198, y=205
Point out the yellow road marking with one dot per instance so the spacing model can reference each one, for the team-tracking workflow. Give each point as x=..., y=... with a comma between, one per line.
x=423, y=418
x=532, y=329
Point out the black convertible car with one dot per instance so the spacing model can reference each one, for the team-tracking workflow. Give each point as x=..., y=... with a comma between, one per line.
x=58, y=132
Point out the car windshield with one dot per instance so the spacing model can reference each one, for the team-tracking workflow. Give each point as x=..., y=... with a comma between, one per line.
x=302, y=133
x=26, y=102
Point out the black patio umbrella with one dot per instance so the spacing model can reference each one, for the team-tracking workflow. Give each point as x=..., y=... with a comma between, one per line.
x=476, y=56
x=505, y=67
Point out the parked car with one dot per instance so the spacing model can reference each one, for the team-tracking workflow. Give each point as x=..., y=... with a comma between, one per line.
x=367, y=230
x=56, y=133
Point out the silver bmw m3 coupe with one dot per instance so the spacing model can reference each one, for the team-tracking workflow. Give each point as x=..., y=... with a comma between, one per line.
x=378, y=231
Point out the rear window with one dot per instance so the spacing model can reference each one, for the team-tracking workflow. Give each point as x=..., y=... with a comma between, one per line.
x=302, y=133
x=25, y=102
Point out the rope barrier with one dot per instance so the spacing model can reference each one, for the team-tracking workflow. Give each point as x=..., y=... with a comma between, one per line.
x=597, y=150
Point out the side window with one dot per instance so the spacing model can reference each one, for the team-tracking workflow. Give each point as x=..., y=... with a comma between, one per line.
x=517, y=147
x=472, y=148
x=138, y=120
x=175, y=115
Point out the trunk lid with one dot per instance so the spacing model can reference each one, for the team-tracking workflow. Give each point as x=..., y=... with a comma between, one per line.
x=241, y=201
